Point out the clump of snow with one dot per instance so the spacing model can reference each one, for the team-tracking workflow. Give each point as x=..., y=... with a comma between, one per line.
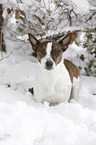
x=23, y=121
x=81, y=6
x=24, y=37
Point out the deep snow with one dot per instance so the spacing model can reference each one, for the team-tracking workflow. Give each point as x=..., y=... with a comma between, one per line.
x=23, y=121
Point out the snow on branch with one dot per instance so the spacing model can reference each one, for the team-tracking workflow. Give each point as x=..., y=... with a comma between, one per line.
x=46, y=17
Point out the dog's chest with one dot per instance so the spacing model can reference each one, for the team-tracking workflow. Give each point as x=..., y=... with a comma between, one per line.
x=54, y=86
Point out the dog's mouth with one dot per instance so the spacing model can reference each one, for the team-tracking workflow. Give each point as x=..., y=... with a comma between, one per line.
x=47, y=68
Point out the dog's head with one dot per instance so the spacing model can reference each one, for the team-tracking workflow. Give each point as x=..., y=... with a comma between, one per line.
x=49, y=53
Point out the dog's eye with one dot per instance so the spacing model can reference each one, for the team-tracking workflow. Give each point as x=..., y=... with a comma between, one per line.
x=42, y=51
x=56, y=52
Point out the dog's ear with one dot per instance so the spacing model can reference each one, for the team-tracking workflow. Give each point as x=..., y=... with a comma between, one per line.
x=64, y=41
x=34, y=42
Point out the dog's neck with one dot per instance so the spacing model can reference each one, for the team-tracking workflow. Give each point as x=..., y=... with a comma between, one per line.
x=49, y=78
x=57, y=69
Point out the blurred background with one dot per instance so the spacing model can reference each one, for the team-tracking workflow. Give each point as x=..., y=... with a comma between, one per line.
x=50, y=19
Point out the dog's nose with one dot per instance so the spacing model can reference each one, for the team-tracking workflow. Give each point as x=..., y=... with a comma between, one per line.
x=49, y=64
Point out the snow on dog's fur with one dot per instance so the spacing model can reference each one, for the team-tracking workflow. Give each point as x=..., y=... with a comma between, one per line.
x=58, y=80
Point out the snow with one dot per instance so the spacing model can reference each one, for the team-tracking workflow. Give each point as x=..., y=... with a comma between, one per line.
x=81, y=6
x=23, y=121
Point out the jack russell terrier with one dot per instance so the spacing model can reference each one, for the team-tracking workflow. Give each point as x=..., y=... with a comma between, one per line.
x=58, y=80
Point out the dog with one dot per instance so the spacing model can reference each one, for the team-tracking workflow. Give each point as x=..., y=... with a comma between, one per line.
x=57, y=80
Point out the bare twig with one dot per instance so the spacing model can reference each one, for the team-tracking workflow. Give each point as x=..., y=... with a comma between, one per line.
x=7, y=55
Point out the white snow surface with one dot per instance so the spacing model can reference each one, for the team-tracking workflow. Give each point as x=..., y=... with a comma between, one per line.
x=23, y=121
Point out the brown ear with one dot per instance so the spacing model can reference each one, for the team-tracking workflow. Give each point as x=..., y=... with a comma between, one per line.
x=34, y=42
x=64, y=41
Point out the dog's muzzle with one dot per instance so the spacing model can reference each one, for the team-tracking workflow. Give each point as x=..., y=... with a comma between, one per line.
x=48, y=65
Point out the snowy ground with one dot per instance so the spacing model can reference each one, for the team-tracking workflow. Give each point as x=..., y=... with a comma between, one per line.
x=26, y=122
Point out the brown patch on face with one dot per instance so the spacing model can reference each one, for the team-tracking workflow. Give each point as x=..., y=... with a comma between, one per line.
x=72, y=69
x=41, y=52
x=56, y=52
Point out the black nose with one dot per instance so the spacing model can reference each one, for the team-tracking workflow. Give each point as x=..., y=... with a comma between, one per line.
x=49, y=64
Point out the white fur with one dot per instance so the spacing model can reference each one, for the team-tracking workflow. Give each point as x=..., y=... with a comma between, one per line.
x=49, y=48
x=53, y=86
x=76, y=88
